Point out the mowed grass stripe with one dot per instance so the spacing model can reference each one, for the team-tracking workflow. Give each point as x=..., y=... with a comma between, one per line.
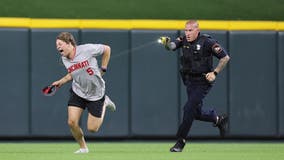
x=143, y=151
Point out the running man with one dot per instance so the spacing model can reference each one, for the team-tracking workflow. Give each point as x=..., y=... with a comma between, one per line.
x=198, y=75
x=88, y=86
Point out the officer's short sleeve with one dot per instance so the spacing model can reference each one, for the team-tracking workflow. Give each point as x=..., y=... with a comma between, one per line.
x=217, y=50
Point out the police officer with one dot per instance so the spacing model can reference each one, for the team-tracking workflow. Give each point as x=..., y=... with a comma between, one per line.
x=198, y=74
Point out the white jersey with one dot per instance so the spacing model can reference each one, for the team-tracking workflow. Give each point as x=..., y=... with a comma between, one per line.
x=87, y=80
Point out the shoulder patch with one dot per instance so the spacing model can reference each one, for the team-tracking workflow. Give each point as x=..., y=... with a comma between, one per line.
x=217, y=48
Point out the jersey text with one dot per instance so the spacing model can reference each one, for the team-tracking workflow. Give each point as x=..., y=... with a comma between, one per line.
x=78, y=66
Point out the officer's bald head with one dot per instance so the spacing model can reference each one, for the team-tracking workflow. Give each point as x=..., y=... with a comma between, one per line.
x=191, y=30
x=192, y=22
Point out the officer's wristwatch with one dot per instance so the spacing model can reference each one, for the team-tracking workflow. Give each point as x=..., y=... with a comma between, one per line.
x=215, y=73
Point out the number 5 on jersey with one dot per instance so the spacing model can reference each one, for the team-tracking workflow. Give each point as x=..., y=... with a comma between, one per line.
x=90, y=71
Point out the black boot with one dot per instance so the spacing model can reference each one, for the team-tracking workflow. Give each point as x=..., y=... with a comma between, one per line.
x=222, y=124
x=178, y=147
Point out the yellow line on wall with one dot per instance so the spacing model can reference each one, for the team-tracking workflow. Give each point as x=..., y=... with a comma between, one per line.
x=137, y=24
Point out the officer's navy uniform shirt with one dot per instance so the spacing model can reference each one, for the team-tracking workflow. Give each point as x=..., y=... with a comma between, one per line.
x=197, y=56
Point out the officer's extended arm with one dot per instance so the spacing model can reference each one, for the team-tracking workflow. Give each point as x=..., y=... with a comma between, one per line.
x=166, y=41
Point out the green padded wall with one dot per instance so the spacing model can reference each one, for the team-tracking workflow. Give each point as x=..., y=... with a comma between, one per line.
x=15, y=82
x=154, y=85
x=253, y=83
x=281, y=82
x=144, y=82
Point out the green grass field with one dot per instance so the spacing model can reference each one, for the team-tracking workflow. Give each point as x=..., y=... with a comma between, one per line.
x=142, y=151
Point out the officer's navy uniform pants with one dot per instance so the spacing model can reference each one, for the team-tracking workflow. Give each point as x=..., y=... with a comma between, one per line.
x=193, y=108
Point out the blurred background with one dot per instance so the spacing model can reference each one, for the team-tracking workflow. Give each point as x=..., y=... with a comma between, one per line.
x=146, y=9
x=142, y=77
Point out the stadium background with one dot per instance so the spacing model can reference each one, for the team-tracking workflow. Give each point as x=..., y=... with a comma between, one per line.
x=143, y=78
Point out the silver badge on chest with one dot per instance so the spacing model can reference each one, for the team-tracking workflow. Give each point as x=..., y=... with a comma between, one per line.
x=198, y=47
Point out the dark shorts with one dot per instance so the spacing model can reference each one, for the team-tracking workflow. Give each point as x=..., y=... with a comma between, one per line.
x=94, y=107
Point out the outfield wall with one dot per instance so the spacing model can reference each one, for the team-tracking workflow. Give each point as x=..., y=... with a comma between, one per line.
x=143, y=81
